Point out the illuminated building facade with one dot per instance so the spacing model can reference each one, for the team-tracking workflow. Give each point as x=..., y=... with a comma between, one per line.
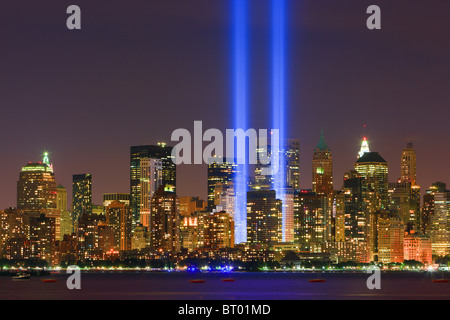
x=290, y=163
x=118, y=219
x=42, y=238
x=15, y=234
x=389, y=239
x=140, y=238
x=418, y=248
x=288, y=215
x=191, y=205
x=36, y=189
x=109, y=198
x=400, y=202
x=374, y=171
x=218, y=230
x=165, y=221
x=339, y=217
x=224, y=196
x=190, y=236
x=150, y=167
x=408, y=177
x=264, y=218
x=356, y=219
x=67, y=249
x=223, y=173
x=408, y=165
x=439, y=227
x=428, y=205
x=81, y=196
x=341, y=251
x=293, y=163
x=87, y=236
x=322, y=169
x=313, y=223
x=66, y=224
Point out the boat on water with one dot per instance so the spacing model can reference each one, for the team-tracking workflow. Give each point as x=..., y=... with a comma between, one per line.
x=440, y=280
x=228, y=280
x=197, y=281
x=317, y=280
x=48, y=280
x=21, y=276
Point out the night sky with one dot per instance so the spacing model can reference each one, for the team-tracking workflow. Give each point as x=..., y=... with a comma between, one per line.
x=140, y=69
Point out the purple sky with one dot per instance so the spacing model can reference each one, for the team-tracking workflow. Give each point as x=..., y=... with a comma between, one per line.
x=140, y=69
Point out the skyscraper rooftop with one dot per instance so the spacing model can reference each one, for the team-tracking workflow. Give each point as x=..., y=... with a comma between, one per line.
x=322, y=145
x=371, y=157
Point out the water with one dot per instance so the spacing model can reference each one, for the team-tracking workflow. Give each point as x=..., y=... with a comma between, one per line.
x=247, y=286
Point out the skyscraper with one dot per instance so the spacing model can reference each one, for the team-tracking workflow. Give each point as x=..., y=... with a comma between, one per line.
x=66, y=218
x=312, y=220
x=165, y=221
x=322, y=185
x=400, y=203
x=409, y=176
x=293, y=163
x=408, y=166
x=218, y=230
x=222, y=172
x=81, y=196
x=146, y=175
x=225, y=197
x=42, y=238
x=118, y=219
x=264, y=218
x=389, y=238
x=429, y=205
x=417, y=247
x=322, y=168
x=355, y=215
x=36, y=188
x=374, y=171
x=439, y=226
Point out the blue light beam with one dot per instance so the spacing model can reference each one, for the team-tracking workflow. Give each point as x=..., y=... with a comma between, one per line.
x=279, y=97
x=240, y=108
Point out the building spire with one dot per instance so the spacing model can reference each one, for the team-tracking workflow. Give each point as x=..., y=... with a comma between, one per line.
x=46, y=159
x=364, y=148
x=322, y=145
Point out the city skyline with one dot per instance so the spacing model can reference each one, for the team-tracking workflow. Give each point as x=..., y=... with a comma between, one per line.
x=305, y=169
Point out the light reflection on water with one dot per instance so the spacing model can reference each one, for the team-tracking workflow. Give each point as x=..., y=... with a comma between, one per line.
x=247, y=286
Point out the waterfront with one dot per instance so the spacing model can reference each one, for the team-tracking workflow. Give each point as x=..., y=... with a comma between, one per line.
x=132, y=285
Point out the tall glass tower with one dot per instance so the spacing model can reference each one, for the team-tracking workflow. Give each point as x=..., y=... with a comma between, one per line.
x=36, y=188
x=81, y=196
x=150, y=167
